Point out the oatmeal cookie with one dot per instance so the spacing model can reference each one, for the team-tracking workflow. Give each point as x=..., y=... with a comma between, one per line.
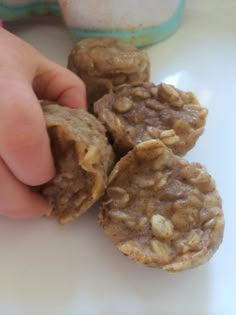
x=105, y=62
x=82, y=158
x=161, y=210
x=135, y=113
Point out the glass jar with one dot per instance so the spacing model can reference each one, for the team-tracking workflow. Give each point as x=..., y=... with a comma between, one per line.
x=140, y=22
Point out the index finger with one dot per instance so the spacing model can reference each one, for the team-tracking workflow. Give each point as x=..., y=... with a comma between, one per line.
x=24, y=142
x=56, y=83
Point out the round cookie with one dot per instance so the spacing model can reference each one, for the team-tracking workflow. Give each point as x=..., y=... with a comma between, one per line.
x=161, y=210
x=105, y=62
x=139, y=112
x=83, y=158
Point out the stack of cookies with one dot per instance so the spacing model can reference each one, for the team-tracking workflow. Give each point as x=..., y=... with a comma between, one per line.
x=157, y=208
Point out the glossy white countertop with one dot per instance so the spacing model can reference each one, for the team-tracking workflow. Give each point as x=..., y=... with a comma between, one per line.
x=48, y=269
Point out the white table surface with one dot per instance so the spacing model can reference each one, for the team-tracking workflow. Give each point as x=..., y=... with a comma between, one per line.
x=50, y=269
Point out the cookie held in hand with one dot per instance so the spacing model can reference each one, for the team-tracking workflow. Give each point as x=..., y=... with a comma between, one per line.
x=83, y=158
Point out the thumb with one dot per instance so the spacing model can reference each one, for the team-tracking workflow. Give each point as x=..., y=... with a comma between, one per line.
x=56, y=83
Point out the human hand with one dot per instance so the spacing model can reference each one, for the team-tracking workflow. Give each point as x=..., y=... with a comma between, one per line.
x=25, y=155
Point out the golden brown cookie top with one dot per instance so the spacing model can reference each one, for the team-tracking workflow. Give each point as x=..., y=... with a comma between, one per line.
x=161, y=210
x=108, y=57
x=143, y=111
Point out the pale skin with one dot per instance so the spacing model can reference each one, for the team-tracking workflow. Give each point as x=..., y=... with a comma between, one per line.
x=25, y=155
